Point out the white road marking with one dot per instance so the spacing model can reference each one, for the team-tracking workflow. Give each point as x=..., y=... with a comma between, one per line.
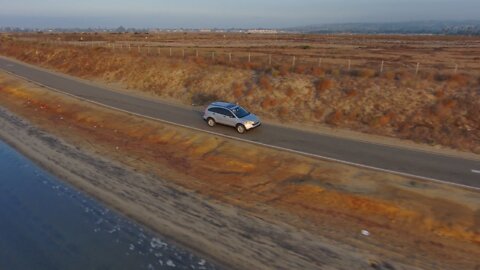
x=475, y=171
x=252, y=142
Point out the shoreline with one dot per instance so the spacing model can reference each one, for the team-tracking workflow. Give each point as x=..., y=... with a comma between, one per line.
x=69, y=178
x=184, y=207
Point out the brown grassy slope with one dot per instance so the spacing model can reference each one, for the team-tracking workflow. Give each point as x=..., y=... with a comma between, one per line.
x=414, y=223
x=431, y=108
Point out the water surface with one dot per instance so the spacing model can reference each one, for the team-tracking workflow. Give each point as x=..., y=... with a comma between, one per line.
x=46, y=224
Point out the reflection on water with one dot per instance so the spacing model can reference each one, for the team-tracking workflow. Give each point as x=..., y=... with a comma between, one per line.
x=45, y=224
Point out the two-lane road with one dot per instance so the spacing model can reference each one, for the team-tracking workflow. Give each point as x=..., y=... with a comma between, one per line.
x=427, y=165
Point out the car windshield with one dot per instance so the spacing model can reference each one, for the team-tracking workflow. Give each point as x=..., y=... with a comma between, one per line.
x=240, y=112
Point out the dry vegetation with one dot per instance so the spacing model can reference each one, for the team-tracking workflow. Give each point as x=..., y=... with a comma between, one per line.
x=437, y=106
x=411, y=223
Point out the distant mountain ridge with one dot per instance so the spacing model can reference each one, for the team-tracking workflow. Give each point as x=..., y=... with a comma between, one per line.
x=471, y=27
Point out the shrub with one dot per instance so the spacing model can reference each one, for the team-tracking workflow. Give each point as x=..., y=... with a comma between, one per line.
x=439, y=93
x=290, y=92
x=384, y=119
x=440, y=77
x=203, y=98
x=284, y=70
x=449, y=103
x=363, y=73
x=268, y=102
x=300, y=69
x=237, y=90
x=200, y=61
x=334, y=72
x=350, y=92
x=323, y=85
x=318, y=113
x=334, y=118
x=283, y=112
x=458, y=79
x=264, y=82
x=389, y=75
x=426, y=75
x=275, y=72
x=403, y=75
x=318, y=71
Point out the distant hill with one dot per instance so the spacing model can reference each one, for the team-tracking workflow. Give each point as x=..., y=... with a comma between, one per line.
x=420, y=27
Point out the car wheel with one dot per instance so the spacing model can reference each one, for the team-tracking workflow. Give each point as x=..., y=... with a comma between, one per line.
x=211, y=122
x=241, y=129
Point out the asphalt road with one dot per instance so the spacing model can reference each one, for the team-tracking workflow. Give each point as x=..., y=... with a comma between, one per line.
x=426, y=165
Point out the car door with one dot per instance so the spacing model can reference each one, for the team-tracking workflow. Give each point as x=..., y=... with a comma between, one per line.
x=230, y=119
x=224, y=116
x=215, y=113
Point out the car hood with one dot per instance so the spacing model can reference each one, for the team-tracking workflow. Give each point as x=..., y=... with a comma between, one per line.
x=250, y=117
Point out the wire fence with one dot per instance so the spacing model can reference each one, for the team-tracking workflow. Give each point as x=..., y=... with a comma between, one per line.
x=261, y=60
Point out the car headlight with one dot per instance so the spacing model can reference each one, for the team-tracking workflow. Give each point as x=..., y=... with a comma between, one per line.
x=249, y=123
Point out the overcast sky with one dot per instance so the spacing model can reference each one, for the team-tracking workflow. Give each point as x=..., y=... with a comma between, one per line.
x=226, y=13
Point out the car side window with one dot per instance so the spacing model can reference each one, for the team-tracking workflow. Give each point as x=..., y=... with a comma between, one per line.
x=226, y=112
x=215, y=110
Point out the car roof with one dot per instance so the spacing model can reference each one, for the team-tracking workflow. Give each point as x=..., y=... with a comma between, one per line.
x=223, y=104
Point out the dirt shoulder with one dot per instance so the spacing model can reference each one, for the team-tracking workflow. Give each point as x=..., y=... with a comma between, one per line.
x=258, y=209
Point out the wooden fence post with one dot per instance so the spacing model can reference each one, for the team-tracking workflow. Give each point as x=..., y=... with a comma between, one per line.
x=456, y=68
x=270, y=60
x=381, y=67
x=293, y=61
x=416, y=70
x=170, y=52
x=319, y=62
x=349, y=64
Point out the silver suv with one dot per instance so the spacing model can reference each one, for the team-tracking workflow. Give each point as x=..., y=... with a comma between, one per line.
x=231, y=115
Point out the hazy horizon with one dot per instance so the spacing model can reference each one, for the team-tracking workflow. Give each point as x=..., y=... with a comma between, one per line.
x=227, y=13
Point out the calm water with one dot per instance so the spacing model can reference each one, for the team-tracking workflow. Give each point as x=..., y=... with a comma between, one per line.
x=45, y=224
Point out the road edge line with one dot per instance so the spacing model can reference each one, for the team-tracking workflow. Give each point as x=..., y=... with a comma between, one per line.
x=250, y=141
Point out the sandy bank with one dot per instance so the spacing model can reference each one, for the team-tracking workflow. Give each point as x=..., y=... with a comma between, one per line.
x=230, y=236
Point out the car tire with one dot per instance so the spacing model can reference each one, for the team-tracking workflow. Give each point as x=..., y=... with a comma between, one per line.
x=241, y=128
x=211, y=122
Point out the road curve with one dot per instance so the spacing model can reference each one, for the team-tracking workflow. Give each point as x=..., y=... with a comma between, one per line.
x=421, y=164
